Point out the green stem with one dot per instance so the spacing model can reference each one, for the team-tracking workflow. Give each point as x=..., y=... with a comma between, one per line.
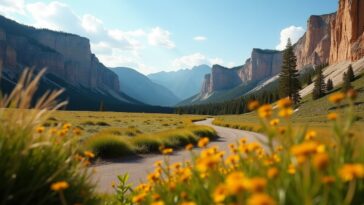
x=350, y=194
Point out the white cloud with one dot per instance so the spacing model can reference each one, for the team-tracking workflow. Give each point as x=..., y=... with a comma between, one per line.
x=293, y=32
x=9, y=7
x=200, y=38
x=91, y=24
x=160, y=37
x=195, y=59
x=55, y=16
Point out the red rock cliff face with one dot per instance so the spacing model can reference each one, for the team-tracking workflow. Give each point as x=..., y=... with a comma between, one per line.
x=314, y=47
x=261, y=65
x=67, y=56
x=347, y=37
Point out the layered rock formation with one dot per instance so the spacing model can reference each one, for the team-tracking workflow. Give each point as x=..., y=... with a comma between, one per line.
x=66, y=56
x=347, y=32
x=261, y=65
x=314, y=47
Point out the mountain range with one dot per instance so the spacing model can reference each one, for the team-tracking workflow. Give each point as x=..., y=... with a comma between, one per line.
x=330, y=38
x=140, y=87
x=183, y=83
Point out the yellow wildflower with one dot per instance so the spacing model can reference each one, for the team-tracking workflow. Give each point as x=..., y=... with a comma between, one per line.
x=67, y=126
x=265, y=111
x=337, y=97
x=59, y=186
x=260, y=199
x=157, y=203
x=188, y=203
x=203, y=142
x=154, y=177
x=305, y=148
x=138, y=198
x=332, y=116
x=89, y=154
x=284, y=103
x=320, y=161
x=40, y=129
x=158, y=163
x=272, y=172
x=167, y=151
x=351, y=171
x=327, y=179
x=274, y=122
x=310, y=135
x=286, y=112
x=257, y=184
x=220, y=193
x=189, y=147
x=236, y=182
x=253, y=105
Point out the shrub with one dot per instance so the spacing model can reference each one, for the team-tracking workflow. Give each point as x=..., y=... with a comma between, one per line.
x=145, y=143
x=109, y=146
x=32, y=159
x=101, y=123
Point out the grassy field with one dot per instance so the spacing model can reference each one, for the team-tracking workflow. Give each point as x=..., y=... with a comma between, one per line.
x=113, y=134
x=94, y=122
x=312, y=113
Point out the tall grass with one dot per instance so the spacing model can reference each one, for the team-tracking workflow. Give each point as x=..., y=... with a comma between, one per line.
x=116, y=142
x=33, y=158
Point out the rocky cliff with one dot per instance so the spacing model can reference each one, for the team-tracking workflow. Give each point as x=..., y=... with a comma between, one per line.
x=329, y=38
x=261, y=65
x=66, y=56
x=347, y=32
x=314, y=47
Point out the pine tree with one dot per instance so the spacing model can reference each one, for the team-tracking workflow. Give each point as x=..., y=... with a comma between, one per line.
x=289, y=84
x=309, y=79
x=346, y=82
x=350, y=73
x=329, y=85
x=319, y=86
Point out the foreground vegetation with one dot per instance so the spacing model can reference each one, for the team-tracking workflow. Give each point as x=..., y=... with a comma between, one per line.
x=39, y=167
x=290, y=167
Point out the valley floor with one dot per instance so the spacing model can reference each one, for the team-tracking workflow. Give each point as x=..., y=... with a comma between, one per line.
x=138, y=167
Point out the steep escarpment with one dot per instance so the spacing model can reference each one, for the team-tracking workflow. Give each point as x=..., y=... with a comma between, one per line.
x=347, y=33
x=261, y=65
x=314, y=47
x=66, y=56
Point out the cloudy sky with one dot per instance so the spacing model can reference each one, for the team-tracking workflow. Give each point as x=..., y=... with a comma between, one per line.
x=156, y=35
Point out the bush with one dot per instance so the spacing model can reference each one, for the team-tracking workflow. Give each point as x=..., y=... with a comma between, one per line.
x=109, y=146
x=32, y=159
x=145, y=143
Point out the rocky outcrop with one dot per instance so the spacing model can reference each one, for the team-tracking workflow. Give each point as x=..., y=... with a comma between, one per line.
x=347, y=33
x=66, y=56
x=314, y=47
x=261, y=65
x=330, y=38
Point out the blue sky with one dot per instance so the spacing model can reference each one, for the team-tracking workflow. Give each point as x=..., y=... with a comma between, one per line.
x=156, y=35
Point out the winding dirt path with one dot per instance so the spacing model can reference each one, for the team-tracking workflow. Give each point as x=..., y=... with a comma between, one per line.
x=138, y=167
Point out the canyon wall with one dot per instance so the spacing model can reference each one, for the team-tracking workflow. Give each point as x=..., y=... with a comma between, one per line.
x=347, y=33
x=66, y=56
x=261, y=65
x=329, y=38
